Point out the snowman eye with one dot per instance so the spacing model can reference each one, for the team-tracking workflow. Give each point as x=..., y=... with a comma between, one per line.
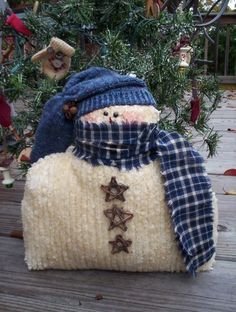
x=105, y=113
x=115, y=114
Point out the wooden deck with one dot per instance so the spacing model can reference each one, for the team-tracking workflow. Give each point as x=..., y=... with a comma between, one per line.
x=21, y=290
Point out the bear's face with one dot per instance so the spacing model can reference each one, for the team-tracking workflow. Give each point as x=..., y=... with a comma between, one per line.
x=123, y=114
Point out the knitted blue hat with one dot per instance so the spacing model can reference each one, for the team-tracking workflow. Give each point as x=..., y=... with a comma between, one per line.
x=98, y=87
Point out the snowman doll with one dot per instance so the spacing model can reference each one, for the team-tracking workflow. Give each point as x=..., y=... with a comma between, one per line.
x=128, y=197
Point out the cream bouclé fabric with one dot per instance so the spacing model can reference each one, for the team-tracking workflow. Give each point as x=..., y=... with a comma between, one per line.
x=65, y=226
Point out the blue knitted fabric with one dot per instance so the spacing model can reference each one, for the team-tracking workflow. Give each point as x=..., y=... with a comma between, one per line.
x=92, y=89
x=99, y=87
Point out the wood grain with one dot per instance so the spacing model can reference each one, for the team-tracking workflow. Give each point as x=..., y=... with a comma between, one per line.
x=10, y=217
x=58, y=290
x=220, y=182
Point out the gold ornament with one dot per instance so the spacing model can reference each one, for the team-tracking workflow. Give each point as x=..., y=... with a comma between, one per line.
x=24, y=155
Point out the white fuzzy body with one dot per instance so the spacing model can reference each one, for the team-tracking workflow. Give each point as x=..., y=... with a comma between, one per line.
x=65, y=227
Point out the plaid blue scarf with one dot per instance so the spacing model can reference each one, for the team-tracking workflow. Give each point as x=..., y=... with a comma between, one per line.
x=187, y=186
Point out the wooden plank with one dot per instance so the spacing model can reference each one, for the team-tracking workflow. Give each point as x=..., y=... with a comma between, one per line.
x=14, y=194
x=226, y=138
x=227, y=114
x=10, y=217
x=226, y=155
x=226, y=64
x=220, y=181
x=229, y=155
x=222, y=124
x=229, y=85
x=226, y=246
x=227, y=79
x=227, y=100
x=220, y=168
x=76, y=290
x=206, y=46
x=223, y=162
x=222, y=120
x=216, y=50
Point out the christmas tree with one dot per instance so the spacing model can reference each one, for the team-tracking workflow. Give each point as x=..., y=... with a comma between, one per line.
x=121, y=35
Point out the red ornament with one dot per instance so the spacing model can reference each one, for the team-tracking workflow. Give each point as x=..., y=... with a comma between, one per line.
x=15, y=22
x=184, y=41
x=195, y=109
x=230, y=172
x=24, y=158
x=5, y=112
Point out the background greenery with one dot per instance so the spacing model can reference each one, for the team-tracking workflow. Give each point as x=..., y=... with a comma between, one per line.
x=118, y=35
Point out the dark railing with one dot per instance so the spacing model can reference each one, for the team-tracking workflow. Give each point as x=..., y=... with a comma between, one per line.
x=223, y=51
x=219, y=48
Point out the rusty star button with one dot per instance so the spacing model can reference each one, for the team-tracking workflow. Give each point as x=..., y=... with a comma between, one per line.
x=120, y=244
x=118, y=217
x=114, y=190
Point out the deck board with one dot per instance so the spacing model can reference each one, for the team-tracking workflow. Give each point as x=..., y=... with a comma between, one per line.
x=141, y=292
x=55, y=290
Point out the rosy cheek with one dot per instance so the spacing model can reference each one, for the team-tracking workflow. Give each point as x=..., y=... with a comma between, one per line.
x=132, y=117
x=90, y=118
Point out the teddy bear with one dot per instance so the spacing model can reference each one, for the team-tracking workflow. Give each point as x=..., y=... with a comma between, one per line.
x=110, y=190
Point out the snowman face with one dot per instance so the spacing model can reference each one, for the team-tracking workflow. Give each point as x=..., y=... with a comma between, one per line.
x=123, y=114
